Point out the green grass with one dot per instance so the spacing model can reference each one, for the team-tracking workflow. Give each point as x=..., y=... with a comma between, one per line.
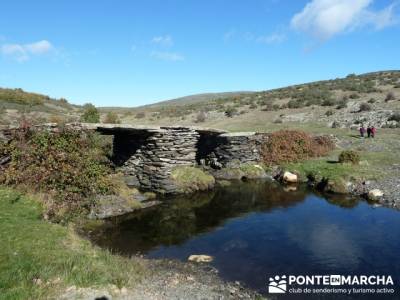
x=323, y=168
x=190, y=179
x=33, y=249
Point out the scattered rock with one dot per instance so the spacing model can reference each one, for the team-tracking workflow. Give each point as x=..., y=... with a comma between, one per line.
x=375, y=195
x=336, y=186
x=200, y=258
x=288, y=177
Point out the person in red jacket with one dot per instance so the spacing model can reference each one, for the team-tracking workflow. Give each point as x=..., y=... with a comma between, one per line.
x=373, y=131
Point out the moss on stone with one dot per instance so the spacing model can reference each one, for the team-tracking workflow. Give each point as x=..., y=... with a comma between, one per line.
x=249, y=171
x=336, y=186
x=190, y=179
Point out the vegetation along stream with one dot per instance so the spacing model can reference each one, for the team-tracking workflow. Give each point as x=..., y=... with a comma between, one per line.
x=255, y=230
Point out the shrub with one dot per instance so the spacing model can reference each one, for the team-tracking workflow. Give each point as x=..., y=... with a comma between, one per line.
x=395, y=117
x=293, y=145
x=354, y=96
x=365, y=107
x=349, y=156
x=278, y=121
x=342, y=103
x=329, y=113
x=390, y=96
x=268, y=107
x=141, y=115
x=372, y=100
x=230, y=112
x=90, y=114
x=295, y=104
x=56, y=119
x=68, y=167
x=201, y=117
x=253, y=106
x=328, y=102
x=112, y=118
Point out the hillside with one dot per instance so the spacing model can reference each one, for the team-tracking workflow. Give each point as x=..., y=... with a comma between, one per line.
x=199, y=98
x=343, y=102
x=15, y=103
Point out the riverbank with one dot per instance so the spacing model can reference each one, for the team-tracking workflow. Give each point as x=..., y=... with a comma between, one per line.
x=378, y=168
x=42, y=260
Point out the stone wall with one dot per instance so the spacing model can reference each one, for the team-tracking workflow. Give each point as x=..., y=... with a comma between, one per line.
x=159, y=153
x=147, y=155
x=234, y=148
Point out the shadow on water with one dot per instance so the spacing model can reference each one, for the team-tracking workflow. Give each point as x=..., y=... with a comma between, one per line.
x=259, y=229
x=180, y=218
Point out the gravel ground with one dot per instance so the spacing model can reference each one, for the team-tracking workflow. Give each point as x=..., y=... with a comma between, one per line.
x=172, y=280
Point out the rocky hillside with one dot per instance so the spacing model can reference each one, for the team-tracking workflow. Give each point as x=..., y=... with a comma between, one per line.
x=372, y=98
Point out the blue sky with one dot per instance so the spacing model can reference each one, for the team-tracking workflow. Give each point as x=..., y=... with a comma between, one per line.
x=129, y=53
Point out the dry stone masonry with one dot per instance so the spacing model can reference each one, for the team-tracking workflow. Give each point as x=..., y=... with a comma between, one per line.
x=241, y=147
x=160, y=152
x=147, y=155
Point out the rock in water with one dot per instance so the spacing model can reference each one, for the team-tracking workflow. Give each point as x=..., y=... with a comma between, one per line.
x=375, y=194
x=200, y=258
x=289, y=177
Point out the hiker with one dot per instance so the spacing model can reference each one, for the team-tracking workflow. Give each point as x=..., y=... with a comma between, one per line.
x=369, y=131
x=362, y=131
x=373, y=131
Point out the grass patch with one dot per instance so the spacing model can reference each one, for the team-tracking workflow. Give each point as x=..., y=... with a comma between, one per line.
x=39, y=259
x=190, y=179
x=322, y=168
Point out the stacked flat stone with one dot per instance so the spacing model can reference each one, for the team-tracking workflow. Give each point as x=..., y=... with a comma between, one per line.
x=159, y=154
x=242, y=147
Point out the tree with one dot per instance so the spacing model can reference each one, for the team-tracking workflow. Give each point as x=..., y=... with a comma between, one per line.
x=112, y=118
x=90, y=114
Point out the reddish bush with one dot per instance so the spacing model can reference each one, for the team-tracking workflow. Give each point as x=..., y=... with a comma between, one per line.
x=294, y=145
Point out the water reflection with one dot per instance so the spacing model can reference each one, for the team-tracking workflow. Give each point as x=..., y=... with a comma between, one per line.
x=260, y=229
x=181, y=218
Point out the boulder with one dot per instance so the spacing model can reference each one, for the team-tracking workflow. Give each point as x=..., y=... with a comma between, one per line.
x=375, y=194
x=200, y=258
x=289, y=177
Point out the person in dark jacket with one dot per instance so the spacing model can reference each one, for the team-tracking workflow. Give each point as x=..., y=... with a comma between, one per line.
x=362, y=131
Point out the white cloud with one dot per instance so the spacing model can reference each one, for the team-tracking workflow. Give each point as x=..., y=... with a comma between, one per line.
x=165, y=41
x=275, y=38
x=168, y=56
x=24, y=52
x=326, y=18
x=39, y=47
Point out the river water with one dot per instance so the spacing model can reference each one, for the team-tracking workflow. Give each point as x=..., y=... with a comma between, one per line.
x=257, y=230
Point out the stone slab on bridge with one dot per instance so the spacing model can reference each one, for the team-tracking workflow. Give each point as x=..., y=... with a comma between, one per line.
x=148, y=154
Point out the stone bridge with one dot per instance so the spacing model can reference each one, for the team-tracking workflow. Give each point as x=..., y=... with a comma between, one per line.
x=148, y=154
